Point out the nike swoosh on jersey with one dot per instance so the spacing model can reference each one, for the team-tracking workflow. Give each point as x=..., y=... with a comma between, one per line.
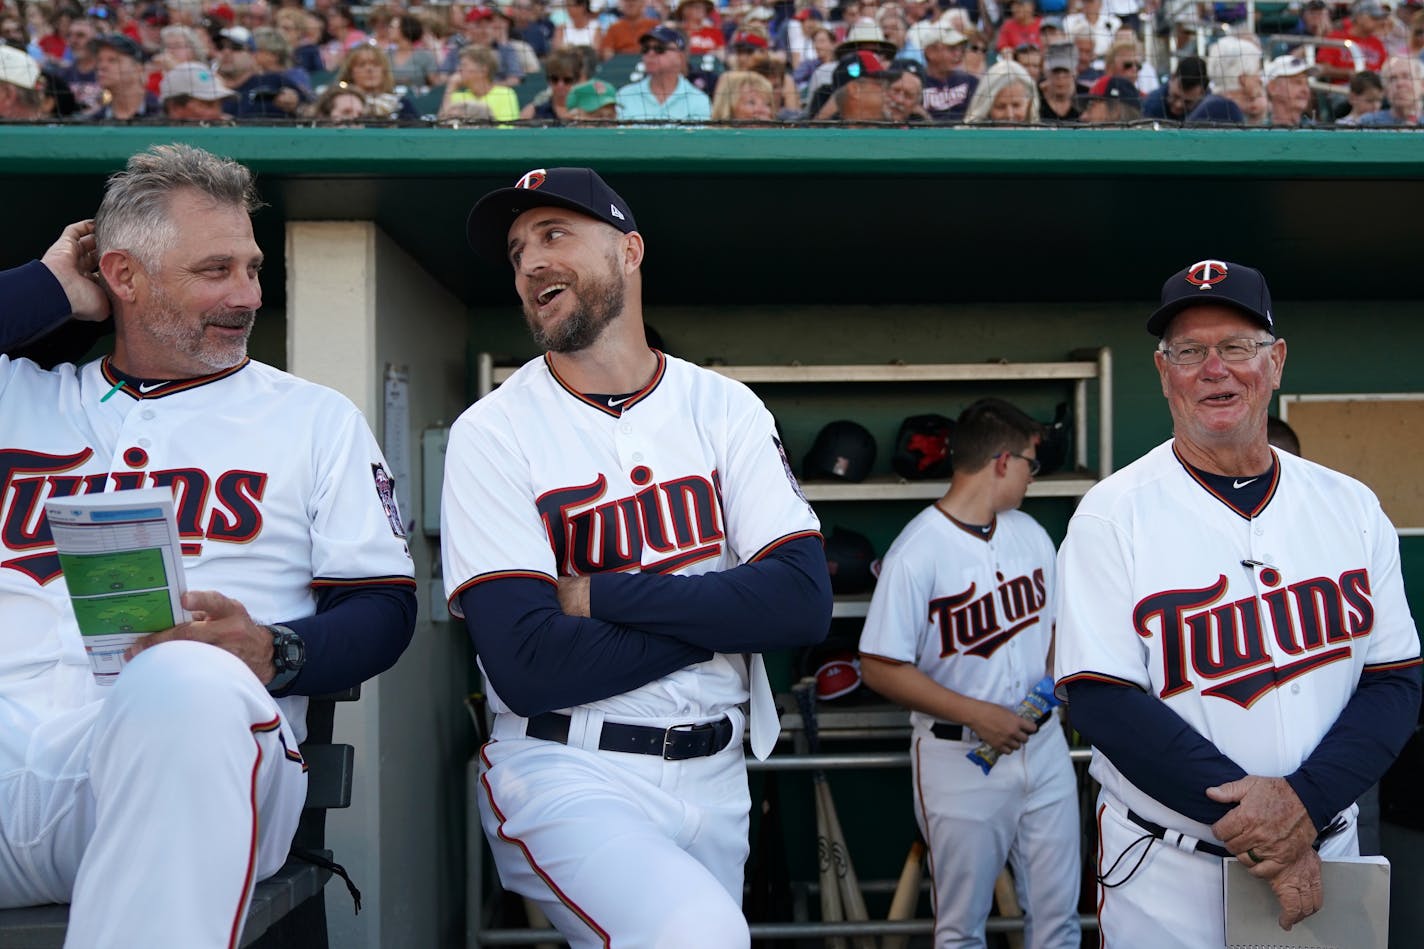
x=1242, y=484
x=614, y=403
x=148, y=387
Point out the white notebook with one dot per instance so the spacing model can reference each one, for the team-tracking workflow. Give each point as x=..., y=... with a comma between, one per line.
x=1355, y=914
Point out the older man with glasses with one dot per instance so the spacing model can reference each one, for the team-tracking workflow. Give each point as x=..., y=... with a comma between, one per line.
x=1234, y=638
x=664, y=94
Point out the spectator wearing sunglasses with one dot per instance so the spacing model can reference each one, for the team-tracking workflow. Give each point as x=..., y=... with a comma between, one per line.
x=1021, y=29
x=664, y=94
x=1123, y=61
x=563, y=69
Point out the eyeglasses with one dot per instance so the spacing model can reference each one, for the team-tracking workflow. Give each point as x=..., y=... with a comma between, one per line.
x=563, y=79
x=975, y=48
x=1033, y=463
x=1236, y=349
x=659, y=48
x=1131, y=65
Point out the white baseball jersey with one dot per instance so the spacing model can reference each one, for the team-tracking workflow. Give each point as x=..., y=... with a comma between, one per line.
x=684, y=476
x=1254, y=630
x=541, y=481
x=973, y=612
x=278, y=490
x=275, y=483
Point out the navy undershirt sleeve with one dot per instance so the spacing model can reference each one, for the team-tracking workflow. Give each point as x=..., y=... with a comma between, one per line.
x=1361, y=745
x=539, y=659
x=31, y=304
x=357, y=632
x=780, y=601
x=1152, y=746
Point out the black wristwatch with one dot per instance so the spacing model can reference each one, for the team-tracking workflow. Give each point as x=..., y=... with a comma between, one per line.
x=289, y=654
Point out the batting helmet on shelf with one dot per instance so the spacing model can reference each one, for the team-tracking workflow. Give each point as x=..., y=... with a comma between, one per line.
x=922, y=448
x=838, y=675
x=849, y=557
x=843, y=450
x=1057, y=441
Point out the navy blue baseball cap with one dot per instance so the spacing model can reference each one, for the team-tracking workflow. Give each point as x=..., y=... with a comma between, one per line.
x=1217, y=282
x=578, y=189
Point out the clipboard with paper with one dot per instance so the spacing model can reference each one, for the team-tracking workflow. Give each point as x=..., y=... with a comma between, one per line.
x=1355, y=914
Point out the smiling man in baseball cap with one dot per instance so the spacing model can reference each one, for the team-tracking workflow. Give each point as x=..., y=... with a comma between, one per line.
x=619, y=649
x=1204, y=548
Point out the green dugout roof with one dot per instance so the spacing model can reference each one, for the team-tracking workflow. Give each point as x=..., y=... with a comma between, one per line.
x=826, y=215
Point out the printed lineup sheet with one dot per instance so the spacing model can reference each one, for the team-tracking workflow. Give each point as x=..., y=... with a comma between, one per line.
x=123, y=565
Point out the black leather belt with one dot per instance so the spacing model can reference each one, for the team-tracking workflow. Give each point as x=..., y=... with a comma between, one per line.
x=674, y=743
x=1160, y=832
x=949, y=732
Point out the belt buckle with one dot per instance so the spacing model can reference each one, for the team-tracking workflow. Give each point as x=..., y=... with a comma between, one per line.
x=667, y=738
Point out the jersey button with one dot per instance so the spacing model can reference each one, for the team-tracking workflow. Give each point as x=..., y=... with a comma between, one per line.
x=1295, y=688
x=626, y=428
x=148, y=413
x=143, y=443
x=637, y=456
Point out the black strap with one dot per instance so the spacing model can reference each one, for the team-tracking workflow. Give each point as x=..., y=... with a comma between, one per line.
x=1160, y=832
x=947, y=731
x=312, y=857
x=675, y=743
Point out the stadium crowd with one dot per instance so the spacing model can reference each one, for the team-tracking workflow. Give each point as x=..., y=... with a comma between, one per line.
x=904, y=62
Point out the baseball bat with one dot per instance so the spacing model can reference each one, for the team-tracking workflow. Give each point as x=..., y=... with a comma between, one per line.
x=831, y=911
x=847, y=882
x=907, y=893
x=1009, y=908
x=852, y=898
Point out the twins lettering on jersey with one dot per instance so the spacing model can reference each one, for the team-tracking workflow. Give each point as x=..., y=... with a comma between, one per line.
x=978, y=625
x=589, y=533
x=217, y=508
x=1225, y=642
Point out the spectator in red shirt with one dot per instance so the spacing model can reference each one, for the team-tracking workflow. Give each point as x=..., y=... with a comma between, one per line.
x=694, y=21
x=1021, y=28
x=1367, y=20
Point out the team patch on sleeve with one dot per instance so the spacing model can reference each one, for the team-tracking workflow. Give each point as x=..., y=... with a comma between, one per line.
x=786, y=464
x=386, y=492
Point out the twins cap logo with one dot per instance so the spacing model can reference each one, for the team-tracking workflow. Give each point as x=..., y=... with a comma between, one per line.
x=1205, y=273
x=532, y=180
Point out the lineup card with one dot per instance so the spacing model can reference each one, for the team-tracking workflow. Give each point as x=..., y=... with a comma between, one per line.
x=123, y=565
x=1355, y=914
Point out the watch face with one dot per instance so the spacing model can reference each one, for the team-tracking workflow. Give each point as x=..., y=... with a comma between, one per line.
x=288, y=650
